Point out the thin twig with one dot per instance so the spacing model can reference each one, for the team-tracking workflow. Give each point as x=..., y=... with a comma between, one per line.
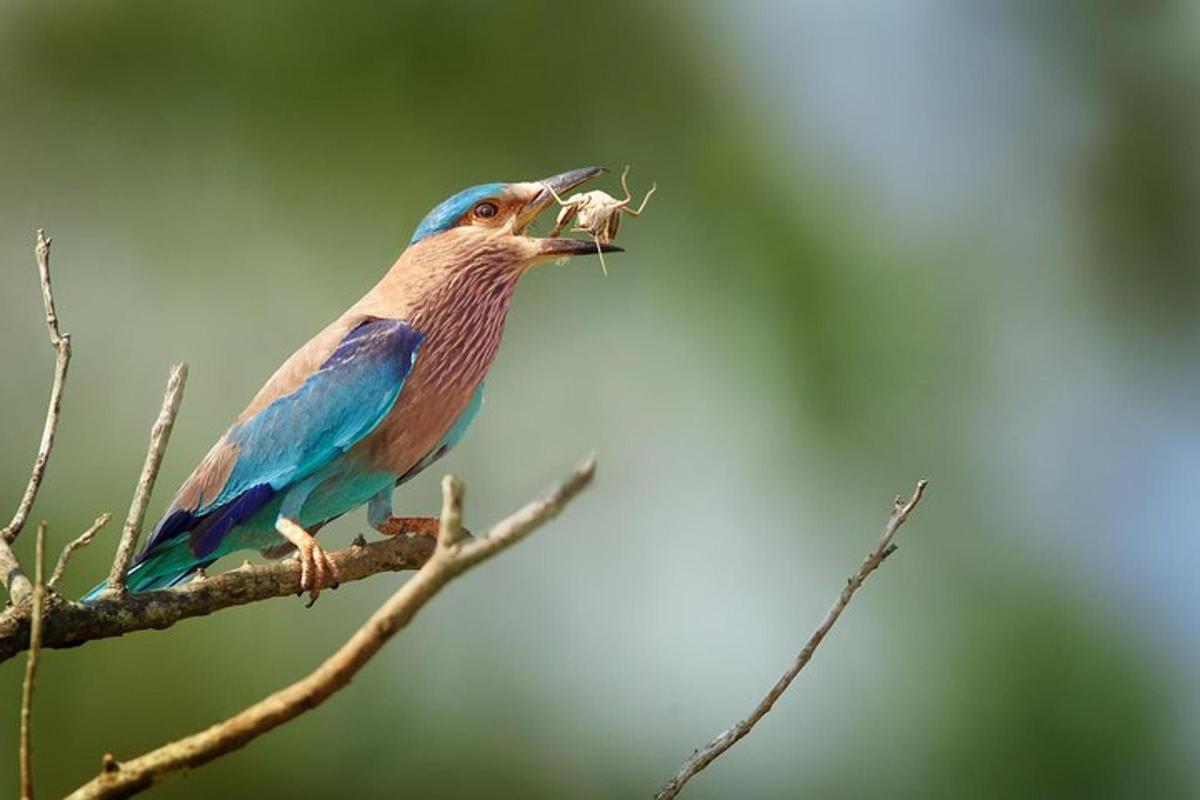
x=20, y=590
x=451, y=558
x=84, y=540
x=709, y=753
x=159, y=435
x=61, y=342
x=31, y=665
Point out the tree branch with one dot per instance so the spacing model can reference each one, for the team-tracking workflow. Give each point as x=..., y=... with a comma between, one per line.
x=160, y=434
x=453, y=555
x=68, y=624
x=710, y=752
x=31, y=665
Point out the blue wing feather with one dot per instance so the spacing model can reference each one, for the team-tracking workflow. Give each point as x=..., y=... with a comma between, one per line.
x=295, y=436
x=338, y=405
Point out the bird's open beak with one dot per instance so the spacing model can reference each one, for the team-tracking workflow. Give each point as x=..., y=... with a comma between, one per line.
x=544, y=197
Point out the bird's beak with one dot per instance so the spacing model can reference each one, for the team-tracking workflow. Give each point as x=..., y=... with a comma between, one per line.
x=561, y=248
x=544, y=196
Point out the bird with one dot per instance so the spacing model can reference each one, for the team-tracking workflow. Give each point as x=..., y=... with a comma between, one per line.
x=370, y=401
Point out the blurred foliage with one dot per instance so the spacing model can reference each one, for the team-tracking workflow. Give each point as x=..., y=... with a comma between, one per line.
x=771, y=361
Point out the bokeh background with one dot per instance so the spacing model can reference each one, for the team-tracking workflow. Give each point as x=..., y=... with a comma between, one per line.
x=933, y=239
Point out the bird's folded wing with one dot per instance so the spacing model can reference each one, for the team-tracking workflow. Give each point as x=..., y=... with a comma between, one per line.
x=297, y=434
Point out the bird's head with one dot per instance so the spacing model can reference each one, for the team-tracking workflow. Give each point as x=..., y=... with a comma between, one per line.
x=493, y=219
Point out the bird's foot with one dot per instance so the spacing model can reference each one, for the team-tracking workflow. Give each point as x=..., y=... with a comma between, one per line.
x=396, y=526
x=317, y=569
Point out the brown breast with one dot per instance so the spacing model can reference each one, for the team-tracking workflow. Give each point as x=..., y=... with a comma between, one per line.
x=462, y=317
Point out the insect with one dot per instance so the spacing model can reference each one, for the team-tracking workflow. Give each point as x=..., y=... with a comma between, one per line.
x=598, y=213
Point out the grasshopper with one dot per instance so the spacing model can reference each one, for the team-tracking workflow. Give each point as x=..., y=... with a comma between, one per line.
x=598, y=213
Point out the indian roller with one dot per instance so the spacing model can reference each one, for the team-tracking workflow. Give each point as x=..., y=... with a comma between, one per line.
x=377, y=396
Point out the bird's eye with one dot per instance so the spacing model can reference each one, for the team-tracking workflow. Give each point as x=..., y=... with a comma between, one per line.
x=486, y=210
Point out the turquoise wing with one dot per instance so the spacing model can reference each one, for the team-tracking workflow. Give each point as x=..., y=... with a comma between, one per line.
x=298, y=434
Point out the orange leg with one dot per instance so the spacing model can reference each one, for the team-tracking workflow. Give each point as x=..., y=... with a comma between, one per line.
x=395, y=526
x=316, y=568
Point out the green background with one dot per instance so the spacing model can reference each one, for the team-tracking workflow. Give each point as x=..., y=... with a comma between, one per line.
x=888, y=243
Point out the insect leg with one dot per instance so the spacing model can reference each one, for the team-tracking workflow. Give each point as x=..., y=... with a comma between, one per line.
x=638, y=212
x=625, y=186
x=564, y=218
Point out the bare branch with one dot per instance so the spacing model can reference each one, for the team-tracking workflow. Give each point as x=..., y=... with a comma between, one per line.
x=160, y=434
x=452, y=556
x=15, y=581
x=83, y=541
x=62, y=345
x=710, y=752
x=68, y=624
x=31, y=665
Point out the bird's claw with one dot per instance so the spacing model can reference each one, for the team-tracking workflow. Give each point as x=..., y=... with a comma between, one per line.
x=317, y=571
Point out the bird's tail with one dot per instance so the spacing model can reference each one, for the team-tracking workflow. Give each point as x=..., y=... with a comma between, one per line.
x=160, y=570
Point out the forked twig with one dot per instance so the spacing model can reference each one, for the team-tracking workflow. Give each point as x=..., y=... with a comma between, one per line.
x=709, y=753
x=14, y=578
